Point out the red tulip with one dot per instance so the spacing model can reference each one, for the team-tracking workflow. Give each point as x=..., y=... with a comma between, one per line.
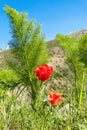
x=43, y=72
x=54, y=98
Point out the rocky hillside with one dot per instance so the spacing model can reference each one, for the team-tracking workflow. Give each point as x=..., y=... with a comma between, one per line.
x=62, y=76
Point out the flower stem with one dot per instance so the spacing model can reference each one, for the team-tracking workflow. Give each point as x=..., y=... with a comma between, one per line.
x=81, y=90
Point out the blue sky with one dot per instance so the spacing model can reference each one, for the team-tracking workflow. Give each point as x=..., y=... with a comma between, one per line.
x=55, y=16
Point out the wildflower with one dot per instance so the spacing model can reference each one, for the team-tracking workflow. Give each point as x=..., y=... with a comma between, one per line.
x=54, y=98
x=43, y=72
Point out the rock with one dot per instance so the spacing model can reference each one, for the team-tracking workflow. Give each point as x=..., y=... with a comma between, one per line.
x=78, y=33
